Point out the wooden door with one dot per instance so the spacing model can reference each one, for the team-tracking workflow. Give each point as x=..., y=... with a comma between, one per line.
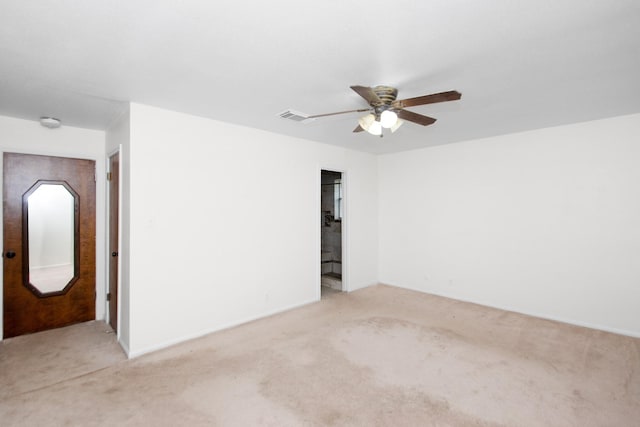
x=114, y=182
x=29, y=305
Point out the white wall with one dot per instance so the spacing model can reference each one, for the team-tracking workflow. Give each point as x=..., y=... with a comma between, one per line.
x=545, y=222
x=118, y=138
x=212, y=244
x=26, y=136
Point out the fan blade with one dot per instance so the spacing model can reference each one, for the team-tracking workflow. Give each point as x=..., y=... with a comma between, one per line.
x=368, y=94
x=340, y=112
x=416, y=118
x=358, y=129
x=451, y=95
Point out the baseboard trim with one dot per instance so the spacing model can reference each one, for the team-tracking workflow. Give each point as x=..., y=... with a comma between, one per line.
x=618, y=331
x=201, y=333
x=125, y=348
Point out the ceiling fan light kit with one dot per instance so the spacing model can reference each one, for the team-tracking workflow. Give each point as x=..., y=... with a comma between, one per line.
x=370, y=124
x=385, y=112
x=388, y=119
x=396, y=126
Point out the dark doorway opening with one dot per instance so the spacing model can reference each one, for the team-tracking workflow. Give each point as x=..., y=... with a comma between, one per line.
x=331, y=216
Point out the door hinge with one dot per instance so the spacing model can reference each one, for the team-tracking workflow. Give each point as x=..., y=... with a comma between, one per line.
x=108, y=176
x=108, y=296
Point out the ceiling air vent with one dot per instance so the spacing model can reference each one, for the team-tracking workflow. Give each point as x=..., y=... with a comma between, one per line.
x=296, y=116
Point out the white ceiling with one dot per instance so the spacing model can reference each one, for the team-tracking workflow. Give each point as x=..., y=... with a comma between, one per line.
x=519, y=65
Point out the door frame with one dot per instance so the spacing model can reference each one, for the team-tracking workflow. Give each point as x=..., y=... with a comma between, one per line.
x=101, y=185
x=344, y=227
x=107, y=242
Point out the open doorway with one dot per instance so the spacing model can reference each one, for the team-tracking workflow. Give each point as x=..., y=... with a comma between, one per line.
x=331, y=216
x=113, y=178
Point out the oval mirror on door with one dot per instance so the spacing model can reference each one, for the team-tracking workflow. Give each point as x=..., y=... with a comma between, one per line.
x=50, y=215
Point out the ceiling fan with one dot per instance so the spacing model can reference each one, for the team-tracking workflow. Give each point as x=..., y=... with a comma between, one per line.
x=385, y=111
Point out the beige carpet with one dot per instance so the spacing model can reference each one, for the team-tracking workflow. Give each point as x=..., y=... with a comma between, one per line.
x=377, y=357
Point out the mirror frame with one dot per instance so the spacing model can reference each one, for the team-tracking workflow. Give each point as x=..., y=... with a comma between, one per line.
x=25, y=239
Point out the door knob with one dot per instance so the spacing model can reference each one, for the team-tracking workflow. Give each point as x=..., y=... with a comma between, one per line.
x=10, y=254
x=114, y=253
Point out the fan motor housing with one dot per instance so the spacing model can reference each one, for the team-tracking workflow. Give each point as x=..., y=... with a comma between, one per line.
x=387, y=94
